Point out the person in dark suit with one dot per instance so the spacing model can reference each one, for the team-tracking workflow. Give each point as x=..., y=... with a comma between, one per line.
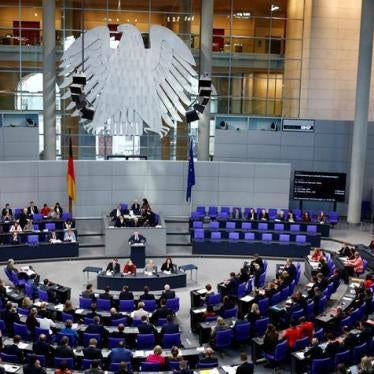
x=32, y=209
x=245, y=367
x=58, y=210
x=97, y=328
x=291, y=269
x=114, y=266
x=7, y=213
x=208, y=357
x=23, y=218
x=63, y=349
x=116, y=213
x=106, y=295
x=146, y=295
x=350, y=340
x=92, y=352
x=120, y=222
x=126, y=294
x=227, y=303
x=149, y=218
x=256, y=260
x=15, y=239
x=137, y=238
x=264, y=215
x=315, y=351
x=170, y=326
x=232, y=284
x=13, y=349
x=95, y=368
x=333, y=346
x=120, y=333
x=323, y=268
x=88, y=292
x=41, y=347
x=252, y=215
x=9, y=316
x=136, y=208
x=167, y=293
x=168, y=265
x=162, y=312
x=183, y=368
x=33, y=367
x=145, y=327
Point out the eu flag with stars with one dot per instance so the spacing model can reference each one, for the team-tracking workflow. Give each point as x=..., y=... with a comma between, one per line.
x=191, y=173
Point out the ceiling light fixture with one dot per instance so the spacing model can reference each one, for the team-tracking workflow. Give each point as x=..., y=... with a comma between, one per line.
x=274, y=7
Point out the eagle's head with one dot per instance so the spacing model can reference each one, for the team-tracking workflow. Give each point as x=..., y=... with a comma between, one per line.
x=130, y=35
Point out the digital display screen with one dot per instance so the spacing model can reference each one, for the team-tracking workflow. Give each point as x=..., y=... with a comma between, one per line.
x=314, y=185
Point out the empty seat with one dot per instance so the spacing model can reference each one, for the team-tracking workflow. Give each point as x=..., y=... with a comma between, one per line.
x=300, y=239
x=33, y=239
x=230, y=225
x=212, y=211
x=284, y=237
x=246, y=225
x=267, y=237
x=311, y=228
x=198, y=234
x=50, y=226
x=279, y=227
x=263, y=226
x=197, y=225
x=213, y=225
x=215, y=235
x=249, y=236
x=295, y=228
x=233, y=236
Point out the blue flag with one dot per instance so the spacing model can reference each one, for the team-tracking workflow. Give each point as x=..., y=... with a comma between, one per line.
x=191, y=173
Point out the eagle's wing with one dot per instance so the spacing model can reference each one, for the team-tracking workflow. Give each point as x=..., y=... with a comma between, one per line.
x=97, y=54
x=172, y=72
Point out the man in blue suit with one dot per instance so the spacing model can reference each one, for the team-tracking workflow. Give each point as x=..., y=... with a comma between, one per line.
x=120, y=353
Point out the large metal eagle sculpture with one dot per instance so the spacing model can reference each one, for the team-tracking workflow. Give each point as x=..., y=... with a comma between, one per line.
x=130, y=83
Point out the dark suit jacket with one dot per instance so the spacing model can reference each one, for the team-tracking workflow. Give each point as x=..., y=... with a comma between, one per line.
x=146, y=328
x=106, y=296
x=245, y=368
x=162, y=312
x=291, y=270
x=92, y=353
x=170, y=328
x=332, y=349
x=315, y=352
x=168, y=295
x=116, y=269
x=97, y=329
x=140, y=239
x=126, y=295
x=209, y=360
x=35, y=210
x=88, y=295
x=31, y=369
x=13, y=350
x=64, y=351
x=147, y=296
x=3, y=212
x=43, y=348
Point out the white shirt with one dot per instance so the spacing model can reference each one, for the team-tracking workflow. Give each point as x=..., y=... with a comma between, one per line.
x=46, y=324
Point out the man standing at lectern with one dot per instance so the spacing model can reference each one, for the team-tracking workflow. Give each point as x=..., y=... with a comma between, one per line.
x=137, y=238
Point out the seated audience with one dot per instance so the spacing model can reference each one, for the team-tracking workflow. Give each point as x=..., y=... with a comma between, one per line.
x=34, y=366
x=53, y=238
x=68, y=330
x=162, y=312
x=45, y=210
x=227, y=303
x=70, y=236
x=170, y=327
x=236, y=214
x=263, y=216
x=15, y=239
x=366, y=365
x=13, y=349
x=140, y=312
x=271, y=339
x=120, y=353
x=58, y=210
x=209, y=312
x=245, y=367
x=317, y=254
x=88, y=292
x=120, y=333
x=208, y=357
x=291, y=334
x=306, y=328
x=92, y=352
x=106, y=295
x=156, y=356
x=17, y=227
x=116, y=213
x=346, y=251
x=150, y=267
x=95, y=368
x=306, y=217
x=254, y=314
x=7, y=213
x=113, y=266
x=63, y=349
x=146, y=295
x=63, y=369
x=129, y=268
x=220, y=326
x=145, y=327
x=120, y=221
x=168, y=265
x=369, y=281
x=126, y=294
x=321, y=217
x=352, y=266
x=252, y=215
x=32, y=209
x=333, y=346
x=42, y=347
x=136, y=208
x=291, y=217
x=315, y=351
x=97, y=328
x=167, y=293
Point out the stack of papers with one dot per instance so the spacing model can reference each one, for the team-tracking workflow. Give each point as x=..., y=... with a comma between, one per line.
x=10, y=368
x=202, y=291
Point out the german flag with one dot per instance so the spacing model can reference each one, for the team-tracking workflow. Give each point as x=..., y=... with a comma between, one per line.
x=70, y=175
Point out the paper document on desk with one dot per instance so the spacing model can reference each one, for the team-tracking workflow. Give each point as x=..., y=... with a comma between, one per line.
x=209, y=371
x=309, y=285
x=79, y=311
x=300, y=355
x=22, y=345
x=229, y=369
x=202, y=291
x=11, y=368
x=59, y=307
x=247, y=298
x=138, y=354
x=75, y=326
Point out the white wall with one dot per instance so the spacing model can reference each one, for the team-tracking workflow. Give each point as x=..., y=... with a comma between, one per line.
x=103, y=184
x=330, y=53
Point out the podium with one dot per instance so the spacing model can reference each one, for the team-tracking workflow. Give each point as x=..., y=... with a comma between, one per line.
x=137, y=254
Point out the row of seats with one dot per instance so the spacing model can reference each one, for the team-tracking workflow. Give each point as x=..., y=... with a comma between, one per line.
x=224, y=212
x=37, y=217
x=246, y=226
x=199, y=234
